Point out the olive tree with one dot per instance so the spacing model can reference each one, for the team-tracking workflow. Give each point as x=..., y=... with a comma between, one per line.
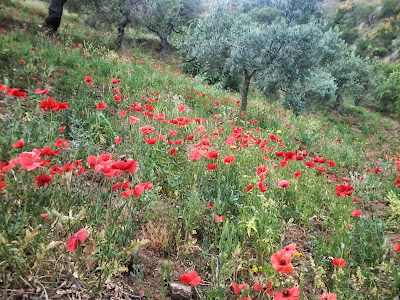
x=282, y=53
x=165, y=17
x=355, y=78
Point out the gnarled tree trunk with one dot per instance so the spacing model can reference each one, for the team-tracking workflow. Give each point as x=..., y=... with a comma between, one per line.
x=53, y=21
x=121, y=34
x=339, y=107
x=245, y=90
x=165, y=45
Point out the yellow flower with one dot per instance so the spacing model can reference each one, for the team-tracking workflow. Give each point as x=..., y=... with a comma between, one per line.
x=254, y=269
x=297, y=254
x=233, y=147
x=278, y=131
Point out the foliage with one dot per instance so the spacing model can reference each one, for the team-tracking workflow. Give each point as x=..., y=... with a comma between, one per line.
x=354, y=77
x=278, y=54
x=210, y=214
x=389, y=8
x=388, y=93
x=353, y=15
x=164, y=17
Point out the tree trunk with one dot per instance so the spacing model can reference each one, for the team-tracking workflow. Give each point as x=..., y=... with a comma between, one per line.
x=53, y=21
x=357, y=101
x=121, y=34
x=165, y=46
x=339, y=107
x=245, y=90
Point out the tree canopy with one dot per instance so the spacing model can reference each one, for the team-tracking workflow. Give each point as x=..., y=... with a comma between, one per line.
x=282, y=53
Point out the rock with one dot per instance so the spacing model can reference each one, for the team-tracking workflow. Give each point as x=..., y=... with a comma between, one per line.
x=180, y=291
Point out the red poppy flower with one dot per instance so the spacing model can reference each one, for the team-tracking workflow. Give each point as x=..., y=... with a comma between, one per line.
x=15, y=93
x=291, y=248
x=150, y=141
x=212, y=154
x=42, y=92
x=146, y=130
x=288, y=294
x=50, y=104
x=397, y=247
x=262, y=187
x=126, y=194
x=3, y=184
x=210, y=206
x=45, y=216
x=268, y=288
x=133, y=120
x=46, y=151
x=249, y=188
x=18, y=144
x=191, y=278
x=115, y=80
x=196, y=154
x=118, y=140
x=172, y=151
x=218, y=219
x=298, y=174
x=77, y=239
x=127, y=166
x=101, y=105
x=237, y=288
x=356, y=213
x=43, y=179
x=283, y=163
x=228, y=159
x=117, y=98
x=62, y=128
x=2, y=87
x=28, y=160
x=289, y=156
x=331, y=163
x=61, y=143
x=326, y=296
x=283, y=184
x=138, y=190
x=80, y=171
x=281, y=261
x=344, y=190
x=339, y=262
x=261, y=170
x=212, y=167
x=310, y=164
x=355, y=199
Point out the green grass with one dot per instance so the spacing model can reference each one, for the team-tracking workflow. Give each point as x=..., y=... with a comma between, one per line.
x=182, y=230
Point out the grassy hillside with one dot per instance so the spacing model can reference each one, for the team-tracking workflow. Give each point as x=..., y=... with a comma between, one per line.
x=371, y=27
x=131, y=174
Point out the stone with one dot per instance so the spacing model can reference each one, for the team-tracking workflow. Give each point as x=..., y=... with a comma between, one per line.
x=180, y=291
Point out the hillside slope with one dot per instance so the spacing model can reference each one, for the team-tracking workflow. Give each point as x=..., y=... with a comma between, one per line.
x=372, y=27
x=119, y=174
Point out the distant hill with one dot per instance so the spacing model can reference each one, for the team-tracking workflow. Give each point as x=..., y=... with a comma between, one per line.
x=371, y=27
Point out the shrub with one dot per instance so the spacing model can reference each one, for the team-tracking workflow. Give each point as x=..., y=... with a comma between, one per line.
x=389, y=8
x=389, y=93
